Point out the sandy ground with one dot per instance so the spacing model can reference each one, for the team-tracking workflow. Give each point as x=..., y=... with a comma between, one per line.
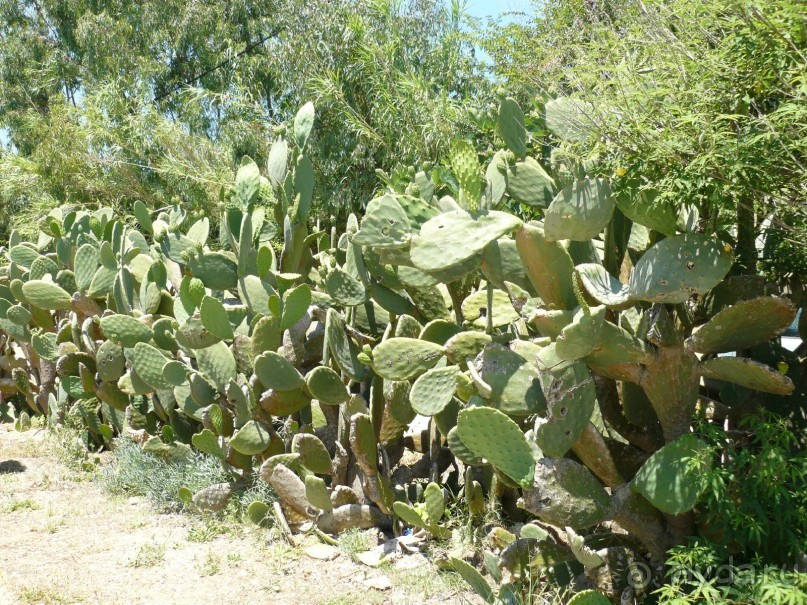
x=64, y=541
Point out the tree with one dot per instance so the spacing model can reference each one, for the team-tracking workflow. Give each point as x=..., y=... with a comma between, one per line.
x=701, y=101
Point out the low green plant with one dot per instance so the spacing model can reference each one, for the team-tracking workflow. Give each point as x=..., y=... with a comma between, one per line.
x=702, y=573
x=134, y=472
x=754, y=502
x=149, y=555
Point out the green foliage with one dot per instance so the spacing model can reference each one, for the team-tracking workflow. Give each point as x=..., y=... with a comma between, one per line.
x=753, y=501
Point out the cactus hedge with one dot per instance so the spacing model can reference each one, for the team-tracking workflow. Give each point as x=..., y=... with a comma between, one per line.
x=550, y=362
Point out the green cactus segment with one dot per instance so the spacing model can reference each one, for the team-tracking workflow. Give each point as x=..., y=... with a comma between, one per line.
x=207, y=443
x=19, y=315
x=461, y=451
x=474, y=579
x=284, y=403
x=409, y=514
x=316, y=493
x=465, y=166
x=344, y=289
x=215, y=318
x=465, y=345
x=475, y=309
x=434, y=503
x=313, y=454
x=529, y=183
x=454, y=237
x=747, y=373
x=566, y=493
x=640, y=206
x=513, y=379
x=256, y=294
x=603, y=287
x=303, y=124
x=363, y=443
x=491, y=435
x=259, y=512
x=501, y=263
x=618, y=346
x=439, y=331
x=743, y=325
x=433, y=390
x=46, y=295
x=550, y=324
x=385, y=224
x=295, y=305
x=580, y=337
x=570, y=396
x=510, y=126
x=555, y=286
x=23, y=256
x=678, y=267
x=110, y=361
x=570, y=119
x=43, y=266
x=587, y=557
x=251, y=439
x=45, y=346
x=275, y=372
x=176, y=373
x=580, y=211
x=193, y=335
x=670, y=479
x=589, y=597
x=326, y=386
x=417, y=210
x=148, y=362
x=342, y=348
x=405, y=358
x=217, y=363
x=124, y=330
x=85, y=265
x=217, y=270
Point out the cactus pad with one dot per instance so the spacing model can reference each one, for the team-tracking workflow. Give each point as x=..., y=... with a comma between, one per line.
x=678, y=267
x=747, y=373
x=555, y=287
x=434, y=390
x=342, y=348
x=743, y=325
x=275, y=372
x=405, y=358
x=215, y=318
x=491, y=435
x=589, y=597
x=514, y=380
x=579, y=338
x=529, y=183
x=580, y=211
x=313, y=454
x=251, y=439
x=385, y=224
x=125, y=330
x=567, y=493
x=603, y=287
x=570, y=396
x=451, y=238
x=345, y=289
x=46, y=295
x=217, y=363
x=475, y=309
x=326, y=386
x=510, y=126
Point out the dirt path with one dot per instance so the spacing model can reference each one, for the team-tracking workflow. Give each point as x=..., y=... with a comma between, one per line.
x=64, y=541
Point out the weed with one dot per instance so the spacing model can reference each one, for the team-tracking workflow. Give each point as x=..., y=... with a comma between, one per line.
x=15, y=504
x=149, y=555
x=40, y=596
x=211, y=565
x=135, y=472
x=355, y=541
x=207, y=528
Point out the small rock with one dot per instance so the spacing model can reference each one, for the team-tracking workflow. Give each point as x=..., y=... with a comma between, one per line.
x=323, y=552
x=372, y=558
x=378, y=582
x=411, y=562
x=135, y=500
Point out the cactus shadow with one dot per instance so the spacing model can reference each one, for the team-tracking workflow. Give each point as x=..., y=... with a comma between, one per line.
x=11, y=466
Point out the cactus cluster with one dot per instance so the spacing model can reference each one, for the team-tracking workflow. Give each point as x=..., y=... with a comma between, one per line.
x=556, y=363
